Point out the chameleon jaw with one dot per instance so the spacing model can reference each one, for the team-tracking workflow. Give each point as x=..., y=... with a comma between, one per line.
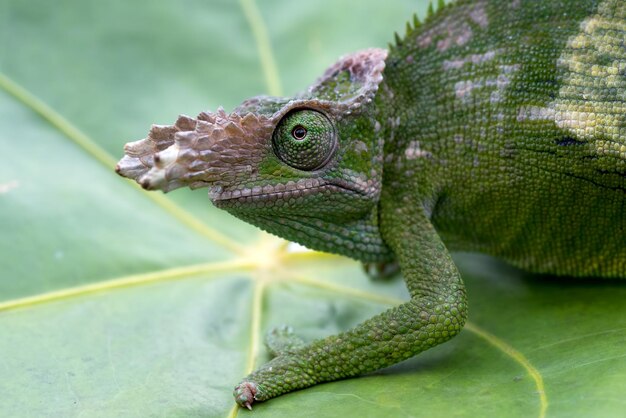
x=282, y=192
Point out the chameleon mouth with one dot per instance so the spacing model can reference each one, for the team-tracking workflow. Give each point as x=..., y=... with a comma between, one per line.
x=270, y=193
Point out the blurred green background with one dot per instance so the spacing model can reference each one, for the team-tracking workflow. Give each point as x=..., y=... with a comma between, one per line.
x=117, y=302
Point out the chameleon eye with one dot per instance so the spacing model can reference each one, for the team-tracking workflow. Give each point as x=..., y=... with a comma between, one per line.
x=299, y=132
x=304, y=139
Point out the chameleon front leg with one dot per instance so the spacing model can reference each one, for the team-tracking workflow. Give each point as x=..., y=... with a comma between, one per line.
x=435, y=313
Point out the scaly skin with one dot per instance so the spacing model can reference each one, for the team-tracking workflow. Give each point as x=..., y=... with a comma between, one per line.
x=500, y=176
x=496, y=126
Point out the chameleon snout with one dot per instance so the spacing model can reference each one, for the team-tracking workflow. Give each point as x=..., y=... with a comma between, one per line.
x=214, y=150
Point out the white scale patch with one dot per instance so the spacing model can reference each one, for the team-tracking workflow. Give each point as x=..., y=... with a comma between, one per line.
x=479, y=15
x=360, y=147
x=494, y=86
x=590, y=104
x=535, y=113
x=475, y=59
x=414, y=151
x=456, y=33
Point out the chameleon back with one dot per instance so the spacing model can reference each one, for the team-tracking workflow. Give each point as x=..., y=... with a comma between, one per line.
x=510, y=117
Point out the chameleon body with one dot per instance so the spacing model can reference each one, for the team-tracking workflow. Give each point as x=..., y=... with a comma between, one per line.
x=494, y=126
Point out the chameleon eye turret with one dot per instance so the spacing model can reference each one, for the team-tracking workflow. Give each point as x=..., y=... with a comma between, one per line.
x=305, y=139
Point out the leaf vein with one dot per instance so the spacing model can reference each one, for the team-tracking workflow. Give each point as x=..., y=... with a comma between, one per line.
x=126, y=281
x=264, y=46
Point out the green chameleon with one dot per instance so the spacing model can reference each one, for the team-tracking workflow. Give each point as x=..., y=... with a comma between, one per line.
x=496, y=126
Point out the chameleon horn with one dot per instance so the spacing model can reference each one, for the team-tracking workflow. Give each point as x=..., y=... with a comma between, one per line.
x=207, y=151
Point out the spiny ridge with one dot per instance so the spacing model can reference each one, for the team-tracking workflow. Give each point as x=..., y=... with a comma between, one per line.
x=412, y=26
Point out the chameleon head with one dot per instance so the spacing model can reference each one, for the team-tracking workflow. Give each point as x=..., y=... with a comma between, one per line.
x=307, y=168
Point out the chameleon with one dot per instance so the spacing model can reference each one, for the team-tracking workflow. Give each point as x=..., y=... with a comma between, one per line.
x=496, y=126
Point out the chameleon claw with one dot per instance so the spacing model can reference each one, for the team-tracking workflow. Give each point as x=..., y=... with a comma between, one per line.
x=244, y=394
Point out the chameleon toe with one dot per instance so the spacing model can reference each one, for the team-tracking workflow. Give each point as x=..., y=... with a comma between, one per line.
x=244, y=394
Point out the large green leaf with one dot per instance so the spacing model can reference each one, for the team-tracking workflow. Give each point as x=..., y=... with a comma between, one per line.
x=116, y=302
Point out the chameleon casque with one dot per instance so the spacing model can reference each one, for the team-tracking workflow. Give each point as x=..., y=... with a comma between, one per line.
x=496, y=126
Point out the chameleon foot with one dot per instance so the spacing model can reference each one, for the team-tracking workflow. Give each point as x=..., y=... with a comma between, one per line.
x=381, y=271
x=282, y=341
x=244, y=394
